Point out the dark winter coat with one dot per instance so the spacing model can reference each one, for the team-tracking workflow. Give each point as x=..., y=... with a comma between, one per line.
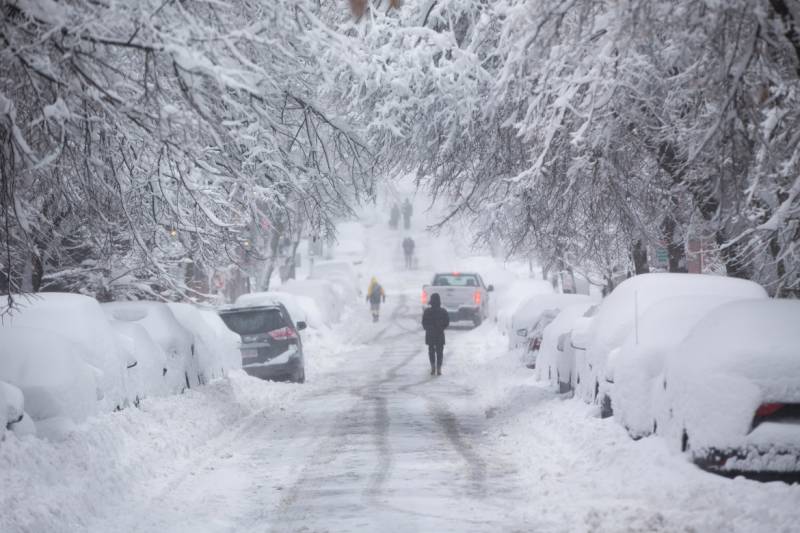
x=435, y=320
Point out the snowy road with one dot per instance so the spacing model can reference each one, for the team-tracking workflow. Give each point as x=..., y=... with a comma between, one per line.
x=376, y=445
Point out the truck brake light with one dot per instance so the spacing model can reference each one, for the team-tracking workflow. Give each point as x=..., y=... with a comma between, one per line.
x=477, y=297
x=424, y=297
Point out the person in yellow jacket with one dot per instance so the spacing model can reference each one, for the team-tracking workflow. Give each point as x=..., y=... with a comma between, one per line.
x=375, y=296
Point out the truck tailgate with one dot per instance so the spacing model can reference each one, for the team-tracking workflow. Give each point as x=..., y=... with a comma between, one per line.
x=453, y=297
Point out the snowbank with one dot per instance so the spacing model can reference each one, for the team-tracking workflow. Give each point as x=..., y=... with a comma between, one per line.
x=81, y=320
x=114, y=459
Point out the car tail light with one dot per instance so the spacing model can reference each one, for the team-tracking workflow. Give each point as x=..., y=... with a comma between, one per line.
x=283, y=334
x=767, y=409
x=477, y=297
x=424, y=297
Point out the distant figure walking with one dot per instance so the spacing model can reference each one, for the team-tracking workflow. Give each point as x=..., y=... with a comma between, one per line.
x=435, y=320
x=408, y=252
x=375, y=296
x=394, y=216
x=407, y=211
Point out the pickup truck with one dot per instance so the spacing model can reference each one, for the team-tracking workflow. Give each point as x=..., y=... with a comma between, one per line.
x=464, y=295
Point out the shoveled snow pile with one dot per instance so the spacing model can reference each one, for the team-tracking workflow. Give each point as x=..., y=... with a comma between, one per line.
x=301, y=308
x=62, y=486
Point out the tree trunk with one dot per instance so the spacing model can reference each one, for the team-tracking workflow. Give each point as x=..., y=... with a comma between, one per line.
x=675, y=248
x=640, y=261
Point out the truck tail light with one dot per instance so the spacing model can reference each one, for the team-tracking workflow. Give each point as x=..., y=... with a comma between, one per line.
x=424, y=297
x=477, y=297
x=283, y=334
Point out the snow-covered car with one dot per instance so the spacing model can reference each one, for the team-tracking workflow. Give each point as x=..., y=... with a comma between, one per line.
x=58, y=387
x=510, y=296
x=271, y=347
x=80, y=320
x=176, y=341
x=632, y=370
x=12, y=407
x=323, y=292
x=341, y=274
x=556, y=359
x=464, y=295
x=212, y=351
x=146, y=362
x=619, y=312
x=730, y=392
x=534, y=314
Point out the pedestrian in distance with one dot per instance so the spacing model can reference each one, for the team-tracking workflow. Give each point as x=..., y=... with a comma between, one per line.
x=394, y=217
x=375, y=296
x=435, y=320
x=408, y=252
x=407, y=211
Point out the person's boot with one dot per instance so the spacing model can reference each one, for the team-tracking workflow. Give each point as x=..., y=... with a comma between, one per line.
x=433, y=371
x=439, y=371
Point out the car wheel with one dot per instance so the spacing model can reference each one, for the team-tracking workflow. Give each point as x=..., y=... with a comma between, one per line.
x=477, y=320
x=301, y=376
x=605, y=407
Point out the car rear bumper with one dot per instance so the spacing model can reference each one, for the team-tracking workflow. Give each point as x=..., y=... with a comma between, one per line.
x=463, y=313
x=750, y=459
x=289, y=371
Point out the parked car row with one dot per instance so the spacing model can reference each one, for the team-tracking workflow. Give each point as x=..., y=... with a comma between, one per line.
x=71, y=356
x=710, y=363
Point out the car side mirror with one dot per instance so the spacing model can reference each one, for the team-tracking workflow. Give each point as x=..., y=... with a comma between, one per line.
x=580, y=332
x=562, y=342
x=132, y=363
x=611, y=362
x=490, y=288
x=301, y=326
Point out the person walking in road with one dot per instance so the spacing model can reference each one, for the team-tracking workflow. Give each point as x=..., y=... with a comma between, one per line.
x=407, y=210
x=435, y=320
x=375, y=296
x=394, y=216
x=408, y=252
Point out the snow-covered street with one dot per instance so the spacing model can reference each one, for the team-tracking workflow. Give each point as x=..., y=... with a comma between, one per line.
x=372, y=442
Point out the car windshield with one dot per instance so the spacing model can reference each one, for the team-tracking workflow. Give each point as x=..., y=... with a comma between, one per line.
x=456, y=280
x=251, y=322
